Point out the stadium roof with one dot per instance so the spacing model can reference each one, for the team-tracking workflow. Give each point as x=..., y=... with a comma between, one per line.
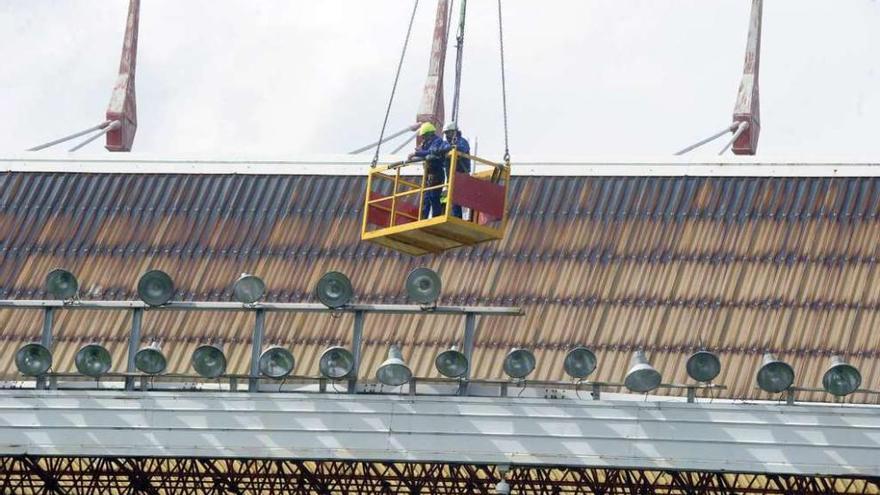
x=739, y=258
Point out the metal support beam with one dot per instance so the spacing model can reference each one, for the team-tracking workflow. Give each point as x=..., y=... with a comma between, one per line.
x=123, y=104
x=742, y=127
x=357, y=337
x=748, y=108
x=256, y=349
x=46, y=338
x=384, y=140
x=113, y=126
x=72, y=136
x=709, y=139
x=324, y=477
x=404, y=144
x=220, y=478
x=597, y=391
x=431, y=108
x=138, y=481
x=274, y=307
x=50, y=482
x=470, y=329
x=134, y=342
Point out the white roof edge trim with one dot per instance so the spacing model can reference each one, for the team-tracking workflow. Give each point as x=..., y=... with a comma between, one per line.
x=543, y=432
x=357, y=165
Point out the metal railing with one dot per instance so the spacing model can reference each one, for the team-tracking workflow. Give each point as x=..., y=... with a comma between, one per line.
x=402, y=188
x=417, y=386
x=137, y=308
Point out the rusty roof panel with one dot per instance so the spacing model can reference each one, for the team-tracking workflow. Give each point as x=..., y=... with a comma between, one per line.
x=738, y=265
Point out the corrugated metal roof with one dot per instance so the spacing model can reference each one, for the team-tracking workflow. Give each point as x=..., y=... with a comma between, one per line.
x=739, y=264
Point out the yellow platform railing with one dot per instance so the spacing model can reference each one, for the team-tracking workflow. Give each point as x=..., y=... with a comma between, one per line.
x=403, y=187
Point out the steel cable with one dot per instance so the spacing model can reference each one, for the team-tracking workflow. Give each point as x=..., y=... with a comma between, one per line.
x=503, y=84
x=100, y=126
x=459, y=47
x=396, y=79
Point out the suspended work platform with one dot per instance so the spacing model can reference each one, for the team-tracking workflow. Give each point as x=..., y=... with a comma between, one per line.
x=394, y=214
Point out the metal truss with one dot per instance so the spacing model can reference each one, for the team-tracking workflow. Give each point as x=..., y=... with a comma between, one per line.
x=153, y=475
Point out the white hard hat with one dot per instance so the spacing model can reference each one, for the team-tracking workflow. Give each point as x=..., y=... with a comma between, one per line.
x=451, y=126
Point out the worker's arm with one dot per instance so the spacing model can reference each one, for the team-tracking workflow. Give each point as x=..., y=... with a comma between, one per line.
x=438, y=148
x=421, y=153
x=418, y=153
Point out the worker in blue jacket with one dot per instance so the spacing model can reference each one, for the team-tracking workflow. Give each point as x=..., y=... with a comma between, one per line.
x=463, y=165
x=433, y=149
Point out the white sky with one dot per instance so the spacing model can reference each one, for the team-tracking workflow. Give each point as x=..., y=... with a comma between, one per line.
x=585, y=77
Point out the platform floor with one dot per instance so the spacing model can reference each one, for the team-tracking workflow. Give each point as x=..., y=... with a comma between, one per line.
x=434, y=235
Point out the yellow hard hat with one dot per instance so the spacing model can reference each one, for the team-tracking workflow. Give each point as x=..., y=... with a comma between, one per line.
x=427, y=128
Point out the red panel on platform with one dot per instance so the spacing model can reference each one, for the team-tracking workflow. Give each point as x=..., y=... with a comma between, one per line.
x=480, y=195
x=379, y=214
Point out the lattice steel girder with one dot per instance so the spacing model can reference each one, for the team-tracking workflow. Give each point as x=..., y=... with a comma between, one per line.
x=126, y=475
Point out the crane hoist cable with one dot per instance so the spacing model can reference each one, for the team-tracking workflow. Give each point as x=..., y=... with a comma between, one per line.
x=396, y=79
x=503, y=84
x=449, y=17
x=459, y=51
x=458, y=73
x=458, y=66
x=448, y=29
